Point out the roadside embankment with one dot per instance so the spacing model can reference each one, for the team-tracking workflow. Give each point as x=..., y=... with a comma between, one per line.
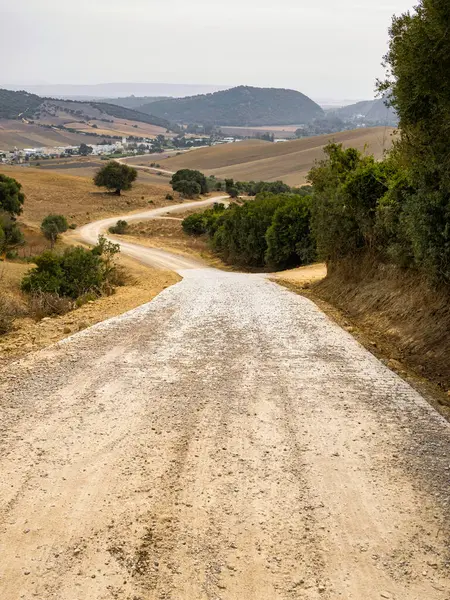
x=407, y=319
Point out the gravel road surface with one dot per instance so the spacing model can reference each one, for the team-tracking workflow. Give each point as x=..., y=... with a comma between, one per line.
x=226, y=441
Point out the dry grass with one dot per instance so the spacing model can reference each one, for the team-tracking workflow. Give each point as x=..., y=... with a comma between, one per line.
x=168, y=234
x=76, y=197
x=27, y=135
x=28, y=336
x=288, y=161
x=119, y=127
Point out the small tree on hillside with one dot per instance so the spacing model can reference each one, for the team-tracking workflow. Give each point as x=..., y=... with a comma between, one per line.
x=85, y=149
x=189, y=175
x=11, y=198
x=115, y=177
x=52, y=226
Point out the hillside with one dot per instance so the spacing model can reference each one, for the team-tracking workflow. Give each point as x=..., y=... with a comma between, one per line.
x=240, y=106
x=373, y=111
x=41, y=117
x=288, y=161
x=134, y=102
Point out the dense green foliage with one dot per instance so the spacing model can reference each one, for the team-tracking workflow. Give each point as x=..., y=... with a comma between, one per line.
x=10, y=235
x=115, y=176
x=119, y=228
x=419, y=90
x=75, y=272
x=203, y=222
x=11, y=197
x=135, y=102
x=183, y=179
x=52, y=226
x=271, y=231
x=11, y=203
x=15, y=104
x=239, y=106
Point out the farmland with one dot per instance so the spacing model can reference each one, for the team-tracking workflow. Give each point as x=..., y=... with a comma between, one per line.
x=288, y=161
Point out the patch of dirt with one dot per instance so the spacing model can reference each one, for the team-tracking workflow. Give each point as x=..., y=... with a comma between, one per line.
x=28, y=335
x=167, y=233
x=395, y=315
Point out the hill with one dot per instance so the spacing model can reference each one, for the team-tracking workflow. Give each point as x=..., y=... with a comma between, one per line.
x=240, y=106
x=95, y=119
x=134, y=102
x=288, y=161
x=371, y=111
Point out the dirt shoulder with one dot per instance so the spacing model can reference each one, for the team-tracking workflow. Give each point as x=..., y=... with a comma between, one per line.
x=28, y=335
x=379, y=329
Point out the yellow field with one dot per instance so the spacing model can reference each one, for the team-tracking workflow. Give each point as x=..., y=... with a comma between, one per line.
x=26, y=135
x=77, y=197
x=288, y=161
x=119, y=127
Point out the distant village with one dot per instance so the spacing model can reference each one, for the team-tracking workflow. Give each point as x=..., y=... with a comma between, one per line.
x=122, y=147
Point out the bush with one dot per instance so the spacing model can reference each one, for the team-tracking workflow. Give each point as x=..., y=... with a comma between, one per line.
x=10, y=309
x=187, y=188
x=74, y=272
x=10, y=235
x=203, y=222
x=44, y=304
x=119, y=228
x=190, y=175
x=11, y=198
x=169, y=197
x=52, y=226
x=289, y=238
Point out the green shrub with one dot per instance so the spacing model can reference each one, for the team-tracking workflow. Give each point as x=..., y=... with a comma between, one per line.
x=203, y=222
x=187, y=188
x=119, y=228
x=169, y=197
x=289, y=239
x=75, y=272
x=52, y=226
x=183, y=175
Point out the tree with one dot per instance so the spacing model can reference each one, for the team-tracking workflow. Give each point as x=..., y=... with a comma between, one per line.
x=85, y=149
x=11, y=198
x=418, y=87
x=10, y=235
x=190, y=175
x=188, y=188
x=116, y=177
x=52, y=226
x=289, y=238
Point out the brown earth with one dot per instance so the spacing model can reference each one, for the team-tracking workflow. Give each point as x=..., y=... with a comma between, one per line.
x=120, y=127
x=144, y=283
x=396, y=314
x=27, y=135
x=259, y=160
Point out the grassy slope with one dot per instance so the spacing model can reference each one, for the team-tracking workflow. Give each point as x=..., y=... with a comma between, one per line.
x=76, y=197
x=289, y=161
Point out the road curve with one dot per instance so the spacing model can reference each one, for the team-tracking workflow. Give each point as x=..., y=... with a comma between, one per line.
x=151, y=256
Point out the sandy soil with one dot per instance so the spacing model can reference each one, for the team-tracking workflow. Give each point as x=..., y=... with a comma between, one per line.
x=28, y=335
x=226, y=441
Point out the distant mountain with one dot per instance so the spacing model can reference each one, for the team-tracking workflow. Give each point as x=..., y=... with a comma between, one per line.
x=51, y=111
x=239, y=106
x=114, y=90
x=134, y=102
x=371, y=111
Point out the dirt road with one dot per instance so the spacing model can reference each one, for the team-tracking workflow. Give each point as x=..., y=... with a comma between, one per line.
x=226, y=441
x=154, y=257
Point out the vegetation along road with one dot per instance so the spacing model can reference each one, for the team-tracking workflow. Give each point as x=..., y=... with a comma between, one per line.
x=225, y=441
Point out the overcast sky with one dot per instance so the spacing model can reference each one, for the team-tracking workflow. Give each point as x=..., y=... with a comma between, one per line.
x=324, y=48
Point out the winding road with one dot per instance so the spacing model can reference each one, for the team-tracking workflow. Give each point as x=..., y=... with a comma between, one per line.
x=225, y=441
